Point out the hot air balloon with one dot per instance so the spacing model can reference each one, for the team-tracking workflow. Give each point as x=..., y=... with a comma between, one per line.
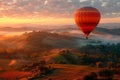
x=87, y=19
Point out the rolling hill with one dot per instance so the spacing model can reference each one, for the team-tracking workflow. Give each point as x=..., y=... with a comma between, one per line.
x=39, y=41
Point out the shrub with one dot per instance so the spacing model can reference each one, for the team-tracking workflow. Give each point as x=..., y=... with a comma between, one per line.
x=91, y=76
x=110, y=65
x=94, y=75
x=118, y=65
x=99, y=65
x=106, y=73
x=62, y=62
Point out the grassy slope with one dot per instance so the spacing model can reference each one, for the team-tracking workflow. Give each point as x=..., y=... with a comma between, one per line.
x=61, y=72
x=72, y=72
x=69, y=72
x=70, y=58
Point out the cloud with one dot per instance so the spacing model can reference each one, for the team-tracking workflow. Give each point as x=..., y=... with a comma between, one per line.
x=104, y=4
x=45, y=3
x=64, y=8
x=83, y=0
x=69, y=0
x=14, y=1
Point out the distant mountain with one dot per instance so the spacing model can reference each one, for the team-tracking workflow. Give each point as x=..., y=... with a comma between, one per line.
x=20, y=29
x=61, y=28
x=109, y=25
x=107, y=31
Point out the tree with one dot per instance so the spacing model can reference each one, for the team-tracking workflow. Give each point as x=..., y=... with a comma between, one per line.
x=110, y=65
x=99, y=65
x=106, y=74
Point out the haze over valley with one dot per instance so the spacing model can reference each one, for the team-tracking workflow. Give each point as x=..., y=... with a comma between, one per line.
x=51, y=40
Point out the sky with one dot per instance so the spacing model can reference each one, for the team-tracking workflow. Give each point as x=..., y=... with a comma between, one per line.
x=13, y=12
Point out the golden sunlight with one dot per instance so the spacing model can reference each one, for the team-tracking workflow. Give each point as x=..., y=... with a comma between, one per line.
x=110, y=20
x=5, y=21
x=9, y=21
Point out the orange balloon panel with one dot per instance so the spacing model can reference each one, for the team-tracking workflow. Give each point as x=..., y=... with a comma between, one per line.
x=87, y=19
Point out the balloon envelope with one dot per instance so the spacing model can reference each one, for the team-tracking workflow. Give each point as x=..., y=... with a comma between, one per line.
x=87, y=19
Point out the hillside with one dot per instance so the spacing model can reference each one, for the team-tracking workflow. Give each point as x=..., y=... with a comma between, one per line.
x=40, y=41
x=69, y=64
x=64, y=72
x=74, y=72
